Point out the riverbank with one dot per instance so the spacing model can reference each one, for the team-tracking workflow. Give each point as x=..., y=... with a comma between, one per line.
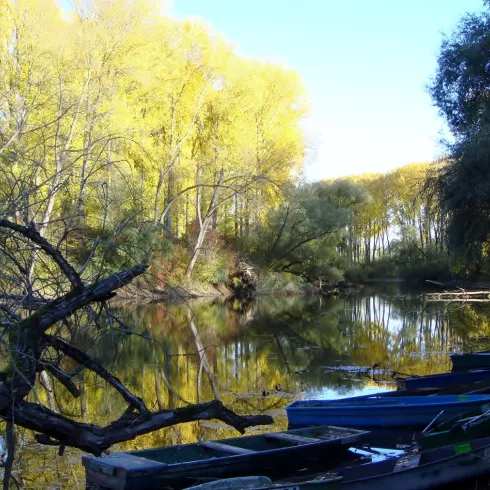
x=274, y=284
x=172, y=293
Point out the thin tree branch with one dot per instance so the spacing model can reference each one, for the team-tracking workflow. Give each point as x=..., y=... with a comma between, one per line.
x=89, y=363
x=34, y=236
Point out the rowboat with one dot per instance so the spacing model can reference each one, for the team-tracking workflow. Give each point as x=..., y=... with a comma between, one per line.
x=413, y=470
x=442, y=380
x=381, y=411
x=178, y=466
x=475, y=360
x=468, y=426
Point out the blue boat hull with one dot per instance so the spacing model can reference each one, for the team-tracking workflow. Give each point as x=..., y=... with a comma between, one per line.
x=443, y=380
x=370, y=412
x=476, y=360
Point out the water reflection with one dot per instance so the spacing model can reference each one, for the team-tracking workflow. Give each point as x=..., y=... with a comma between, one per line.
x=257, y=358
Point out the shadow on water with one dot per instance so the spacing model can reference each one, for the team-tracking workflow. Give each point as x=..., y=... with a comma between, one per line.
x=257, y=358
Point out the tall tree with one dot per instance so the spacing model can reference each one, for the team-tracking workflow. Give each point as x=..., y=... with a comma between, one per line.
x=302, y=235
x=460, y=92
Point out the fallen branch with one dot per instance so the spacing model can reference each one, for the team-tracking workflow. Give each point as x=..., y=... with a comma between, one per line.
x=460, y=300
x=78, y=298
x=89, y=363
x=64, y=378
x=28, y=333
x=34, y=236
x=451, y=294
x=58, y=430
x=456, y=293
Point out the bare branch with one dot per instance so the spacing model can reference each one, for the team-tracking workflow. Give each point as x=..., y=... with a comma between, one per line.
x=94, y=366
x=69, y=303
x=33, y=235
x=64, y=378
x=58, y=430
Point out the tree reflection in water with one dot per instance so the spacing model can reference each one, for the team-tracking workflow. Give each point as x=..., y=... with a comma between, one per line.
x=256, y=358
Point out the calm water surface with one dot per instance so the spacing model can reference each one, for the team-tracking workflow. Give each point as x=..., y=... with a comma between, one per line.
x=257, y=359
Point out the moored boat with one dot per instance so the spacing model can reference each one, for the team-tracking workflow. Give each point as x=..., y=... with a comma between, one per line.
x=413, y=470
x=380, y=411
x=445, y=380
x=469, y=426
x=179, y=466
x=474, y=360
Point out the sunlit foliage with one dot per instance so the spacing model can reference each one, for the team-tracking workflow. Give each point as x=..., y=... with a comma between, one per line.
x=114, y=115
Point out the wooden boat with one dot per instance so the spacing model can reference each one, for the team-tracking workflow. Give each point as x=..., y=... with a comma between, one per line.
x=415, y=470
x=475, y=360
x=474, y=388
x=442, y=380
x=470, y=425
x=477, y=387
x=380, y=411
x=178, y=466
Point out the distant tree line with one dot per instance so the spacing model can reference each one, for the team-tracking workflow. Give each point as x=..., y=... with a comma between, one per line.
x=398, y=212
x=439, y=215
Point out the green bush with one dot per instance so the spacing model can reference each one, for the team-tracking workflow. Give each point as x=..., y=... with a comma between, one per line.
x=357, y=273
x=117, y=250
x=279, y=282
x=383, y=267
x=432, y=269
x=212, y=267
x=407, y=262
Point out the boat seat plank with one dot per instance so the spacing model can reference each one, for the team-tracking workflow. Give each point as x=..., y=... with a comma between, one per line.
x=226, y=448
x=290, y=438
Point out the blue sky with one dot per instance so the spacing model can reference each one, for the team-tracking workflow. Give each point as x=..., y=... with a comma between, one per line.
x=365, y=65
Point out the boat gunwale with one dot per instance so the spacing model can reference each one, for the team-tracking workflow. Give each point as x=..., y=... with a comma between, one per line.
x=444, y=375
x=389, y=403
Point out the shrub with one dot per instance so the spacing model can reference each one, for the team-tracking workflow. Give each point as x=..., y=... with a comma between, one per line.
x=357, y=273
x=277, y=282
x=212, y=267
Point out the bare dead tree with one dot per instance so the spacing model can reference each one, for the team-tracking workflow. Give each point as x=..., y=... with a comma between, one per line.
x=36, y=336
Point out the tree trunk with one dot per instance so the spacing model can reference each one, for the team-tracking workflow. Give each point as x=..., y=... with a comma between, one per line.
x=197, y=247
x=213, y=206
x=170, y=197
x=158, y=195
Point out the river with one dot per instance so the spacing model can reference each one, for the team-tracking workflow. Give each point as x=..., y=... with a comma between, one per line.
x=256, y=358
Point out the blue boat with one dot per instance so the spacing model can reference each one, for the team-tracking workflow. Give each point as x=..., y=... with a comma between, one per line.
x=380, y=411
x=443, y=380
x=474, y=360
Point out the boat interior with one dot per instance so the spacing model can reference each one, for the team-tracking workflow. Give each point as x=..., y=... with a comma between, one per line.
x=249, y=445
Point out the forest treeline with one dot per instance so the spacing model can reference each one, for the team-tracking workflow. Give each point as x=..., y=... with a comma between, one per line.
x=128, y=136
x=400, y=230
